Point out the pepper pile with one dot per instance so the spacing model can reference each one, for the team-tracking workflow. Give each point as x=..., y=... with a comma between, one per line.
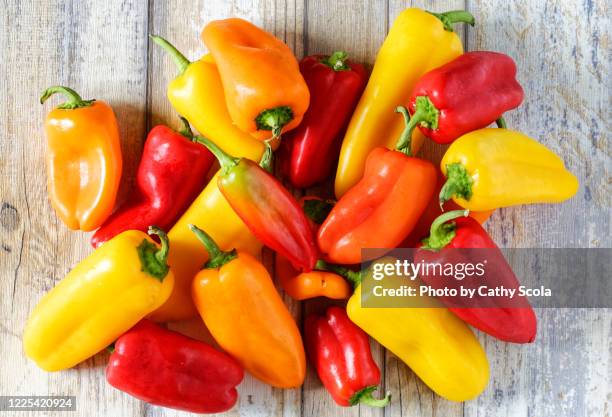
x=246, y=98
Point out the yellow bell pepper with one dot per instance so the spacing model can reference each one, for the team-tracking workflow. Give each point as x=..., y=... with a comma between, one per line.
x=209, y=211
x=491, y=168
x=439, y=347
x=100, y=299
x=197, y=94
x=417, y=42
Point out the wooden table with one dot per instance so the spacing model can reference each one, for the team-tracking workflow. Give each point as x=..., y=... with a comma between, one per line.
x=101, y=49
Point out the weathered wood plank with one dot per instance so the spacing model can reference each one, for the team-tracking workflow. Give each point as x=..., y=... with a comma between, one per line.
x=100, y=50
x=562, y=58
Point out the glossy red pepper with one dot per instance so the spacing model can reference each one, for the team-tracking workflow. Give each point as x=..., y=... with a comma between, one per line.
x=511, y=322
x=166, y=368
x=383, y=207
x=309, y=152
x=171, y=174
x=468, y=93
x=340, y=352
x=270, y=212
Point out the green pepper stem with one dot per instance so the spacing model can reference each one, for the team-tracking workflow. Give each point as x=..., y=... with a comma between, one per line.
x=458, y=183
x=318, y=210
x=455, y=16
x=74, y=99
x=185, y=130
x=268, y=156
x=501, y=123
x=337, y=61
x=365, y=397
x=274, y=119
x=216, y=257
x=442, y=233
x=225, y=160
x=352, y=276
x=154, y=260
x=179, y=59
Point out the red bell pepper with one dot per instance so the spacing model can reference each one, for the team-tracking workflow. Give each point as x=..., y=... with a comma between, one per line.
x=512, y=321
x=266, y=207
x=340, y=352
x=466, y=94
x=309, y=152
x=383, y=207
x=171, y=174
x=166, y=368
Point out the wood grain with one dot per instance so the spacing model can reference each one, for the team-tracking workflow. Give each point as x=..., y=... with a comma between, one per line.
x=101, y=49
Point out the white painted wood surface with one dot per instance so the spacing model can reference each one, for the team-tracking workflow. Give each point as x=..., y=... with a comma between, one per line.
x=562, y=49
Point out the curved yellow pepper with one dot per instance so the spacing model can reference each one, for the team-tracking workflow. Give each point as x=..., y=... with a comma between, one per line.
x=210, y=211
x=491, y=168
x=100, y=299
x=433, y=342
x=417, y=42
x=197, y=94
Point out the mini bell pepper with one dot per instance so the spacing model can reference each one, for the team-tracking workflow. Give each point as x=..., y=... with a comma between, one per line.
x=309, y=151
x=516, y=323
x=417, y=42
x=340, y=352
x=491, y=168
x=245, y=314
x=212, y=211
x=432, y=341
x=83, y=159
x=266, y=207
x=197, y=94
x=305, y=285
x=166, y=368
x=468, y=93
x=432, y=211
x=264, y=90
x=100, y=299
x=381, y=209
x=171, y=174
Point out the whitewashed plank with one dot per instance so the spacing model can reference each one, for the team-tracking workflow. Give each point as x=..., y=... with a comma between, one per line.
x=69, y=43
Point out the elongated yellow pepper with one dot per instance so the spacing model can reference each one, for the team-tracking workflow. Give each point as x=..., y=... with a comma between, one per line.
x=432, y=341
x=100, y=299
x=417, y=42
x=197, y=94
x=491, y=168
x=209, y=211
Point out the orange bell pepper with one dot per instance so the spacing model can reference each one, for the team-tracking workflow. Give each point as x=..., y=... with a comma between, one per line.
x=306, y=285
x=83, y=159
x=241, y=308
x=264, y=89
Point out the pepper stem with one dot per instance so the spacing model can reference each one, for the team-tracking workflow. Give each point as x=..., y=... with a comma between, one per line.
x=441, y=232
x=318, y=210
x=501, y=123
x=455, y=16
x=274, y=119
x=365, y=397
x=179, y=59
x=225, y=160
x=352, y=276
x=337, y=61
x=154, y=260
x=74, y=99
x=458, y=183
x=216, y=257
x=268, y=156
x=185, y=130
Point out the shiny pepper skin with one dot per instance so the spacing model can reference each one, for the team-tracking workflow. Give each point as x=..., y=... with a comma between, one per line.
x=168, y=369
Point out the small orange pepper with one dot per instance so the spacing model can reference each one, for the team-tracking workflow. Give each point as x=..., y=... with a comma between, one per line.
x=306, y=285
x=83, y=159
x=243, y=311
x=264, y=89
